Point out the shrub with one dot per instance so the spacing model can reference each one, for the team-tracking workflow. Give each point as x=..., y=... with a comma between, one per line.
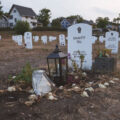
x=26, y=75
x=49, y=29
x=21, y=27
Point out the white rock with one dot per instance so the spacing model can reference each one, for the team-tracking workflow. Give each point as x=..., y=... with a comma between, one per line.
x=11, y=89
x=106, y=84
x=51, y=97
x=90, y=89
x=84, y=74
x=13, y=77
x=116, y=79
x=29, y=103
x=111, y=81
x=61, y=88
x=101, y=86
x=32, y=97
x=91, y=83
x=31, y=91
x=76, y=77
x=84, y=94
x=73, y=85
x=76, y=88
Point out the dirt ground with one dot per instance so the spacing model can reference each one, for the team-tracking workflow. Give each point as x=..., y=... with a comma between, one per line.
x=103, y=104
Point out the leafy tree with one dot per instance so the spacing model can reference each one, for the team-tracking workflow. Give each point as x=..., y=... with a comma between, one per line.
x=78, y=18
x=57, y=22
x=102, y=22
x=44, y=16
x=6, y=14
x=1, y=12
x=21, y=27
x=117, y=20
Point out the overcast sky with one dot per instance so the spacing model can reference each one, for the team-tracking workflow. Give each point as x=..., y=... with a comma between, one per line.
x=88, y=9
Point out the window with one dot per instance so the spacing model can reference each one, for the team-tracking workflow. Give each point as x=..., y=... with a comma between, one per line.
x=15, y=20
x=14, y=11
x=11, y=17
x=11, y=24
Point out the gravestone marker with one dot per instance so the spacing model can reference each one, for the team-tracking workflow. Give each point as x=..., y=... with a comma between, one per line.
x=36, y=38
x=111, y=41
x=0, y=37
x=44, y=39
x=80, y=39
x=52, y=38
x=28, y=40
x=62, y=40
x=19, y=40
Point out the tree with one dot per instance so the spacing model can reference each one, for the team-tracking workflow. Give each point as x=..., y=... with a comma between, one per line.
x=78, y=18
x=44, y=16
x=57, y=22
x=117, y=20
x=21, y=27
x=1, y=12
x=102, y=22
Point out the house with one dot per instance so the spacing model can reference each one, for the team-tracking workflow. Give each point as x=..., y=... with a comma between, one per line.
x=113, y=26
x=65, y=23
x=4, y=23
x=90, y=22
x=20, y=13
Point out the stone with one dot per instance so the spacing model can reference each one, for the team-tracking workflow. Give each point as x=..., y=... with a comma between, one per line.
x=84, y=94
x=33, y=97
x=62, y=40
x=101, y=86
x=111, y=41
x=29, y=103
x=11, y=89
x=89, y=89
x=106, y=84
x=28, y=40
x=80, y=42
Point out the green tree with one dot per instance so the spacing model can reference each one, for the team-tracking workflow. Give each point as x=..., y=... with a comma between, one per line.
x=117, y=20
x=21, y=27
x=78, y=18
x=44, y=16
x=57, y=22
x=1, y=12
x=102, y=22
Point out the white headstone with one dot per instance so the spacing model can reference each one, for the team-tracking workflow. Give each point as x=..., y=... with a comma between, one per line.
x=36, y=38
x=52, y=38
x=111, y=41
x=44, y=39
x=19, y=39
x=80, y=39
x=28, y=40
x=62, y=40
x=0, y=37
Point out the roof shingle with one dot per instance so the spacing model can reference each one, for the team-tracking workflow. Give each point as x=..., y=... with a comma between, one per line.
x=24, y=11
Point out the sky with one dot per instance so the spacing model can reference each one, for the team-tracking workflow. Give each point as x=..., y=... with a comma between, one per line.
x=88, y=9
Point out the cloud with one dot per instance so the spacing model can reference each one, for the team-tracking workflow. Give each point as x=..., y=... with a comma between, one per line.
x=103, y=12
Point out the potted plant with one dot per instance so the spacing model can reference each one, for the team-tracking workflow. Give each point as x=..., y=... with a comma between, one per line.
x=104, y=62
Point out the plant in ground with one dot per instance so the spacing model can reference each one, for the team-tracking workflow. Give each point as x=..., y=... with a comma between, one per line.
x=21, y=27
x=25, y=76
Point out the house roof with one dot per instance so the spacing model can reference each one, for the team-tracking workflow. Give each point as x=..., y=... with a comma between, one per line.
x=24, y=11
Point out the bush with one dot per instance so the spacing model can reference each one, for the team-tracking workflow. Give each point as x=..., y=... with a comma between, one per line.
x=26, y=75
x=21, y=27
x=49, y=29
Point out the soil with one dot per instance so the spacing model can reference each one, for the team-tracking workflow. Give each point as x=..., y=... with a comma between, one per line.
x=103, y=104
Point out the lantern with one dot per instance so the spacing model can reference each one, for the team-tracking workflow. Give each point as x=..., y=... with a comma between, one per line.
x=59, y=69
